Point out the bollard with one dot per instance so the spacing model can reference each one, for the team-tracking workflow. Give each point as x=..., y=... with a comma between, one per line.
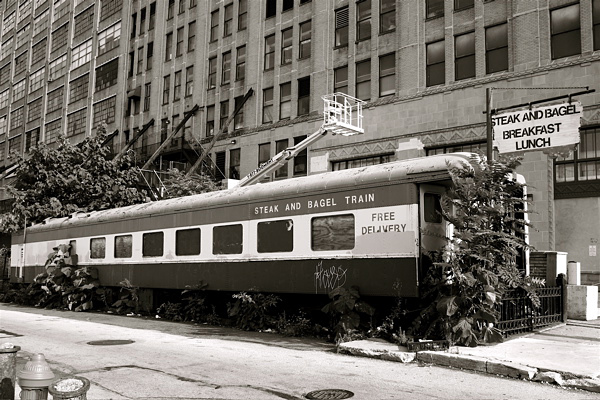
x=8, y=370
x=34, y=378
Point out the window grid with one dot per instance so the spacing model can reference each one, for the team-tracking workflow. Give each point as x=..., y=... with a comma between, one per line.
x=285, y=100
x=387, y=75
x=81, y=54
x=363, y=20
x=166, y=89
x=41, y=22
x=304, y=96
x=191, y=45
x=149, y=55
x=496, y=48
x=305, y=39
x=214, y=25
x=240, y=63
x=17, y=118
x=223, y=115
x=436, y=63
x=109, y=7
x=363, y=80
x=34, y=110
x=21, y=63
x=210, y=121
x=189, y=80
x=387, y=16
x=179, y=45
x=15, y=144
x=147, y=93
x=4, y=99
x=226, y=68
x=228, y=20
x=53, y=129
x=269, y=52
x=267, y=105
x=565, y=28
x=340, y=80
x=36, y=80
x=238, y=121
x=60, y=37
x=76, y=122
x=287, y=37
x=242, y=15
x=6, y=48
x=104, y=111
x=19, y=91
x=57, y=68
x=140, y=60
x=212, y=73
x=109, y=38
x=341, y=27
x=177, y=86
x=78, y=88
x=584, y=164
x=5, y=74
x=84, y=22
x=55, y=100
x=106, y=74
x=23, y=36
x=168, y=45
x=38, y=51
x=31, y=139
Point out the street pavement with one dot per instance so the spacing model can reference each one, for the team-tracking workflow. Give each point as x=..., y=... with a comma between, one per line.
x=566, y=354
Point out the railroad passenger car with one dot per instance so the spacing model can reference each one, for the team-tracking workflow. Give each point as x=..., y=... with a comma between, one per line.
x=367, y=227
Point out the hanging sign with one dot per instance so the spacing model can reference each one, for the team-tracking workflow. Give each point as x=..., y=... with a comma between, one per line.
x=538, y=128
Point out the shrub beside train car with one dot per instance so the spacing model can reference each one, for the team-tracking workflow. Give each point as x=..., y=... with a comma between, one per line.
x=367, y=227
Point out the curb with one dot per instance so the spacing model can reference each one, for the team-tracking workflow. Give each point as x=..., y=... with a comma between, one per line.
x=381, y=349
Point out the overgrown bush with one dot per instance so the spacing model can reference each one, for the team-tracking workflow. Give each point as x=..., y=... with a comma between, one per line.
x=345, y=311
x=295, y=325
x=129, y=301
x=463, y=288
x=253, y=310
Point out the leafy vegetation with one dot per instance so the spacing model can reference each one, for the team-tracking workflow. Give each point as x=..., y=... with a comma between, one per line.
x=463, y=288
x=345, y=310
x=253, y=311
x=179, y=184
x=58, y=181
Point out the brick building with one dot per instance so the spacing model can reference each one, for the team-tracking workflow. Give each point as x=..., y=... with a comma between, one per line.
x=422, y=66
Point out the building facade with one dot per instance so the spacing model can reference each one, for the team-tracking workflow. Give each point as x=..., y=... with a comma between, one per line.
x=422, y=66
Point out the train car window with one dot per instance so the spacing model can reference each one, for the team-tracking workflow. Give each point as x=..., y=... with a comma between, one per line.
x=335, y=232
x=152, y=244
x=98, y=248
x=275, y=236
x=432, y=208
x=187, y=242
x=227, y=239
x=123, y=246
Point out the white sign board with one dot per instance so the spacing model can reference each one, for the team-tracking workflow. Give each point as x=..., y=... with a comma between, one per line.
x=538, y=128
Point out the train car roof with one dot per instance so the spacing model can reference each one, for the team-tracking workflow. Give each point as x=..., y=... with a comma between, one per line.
x=413, y=170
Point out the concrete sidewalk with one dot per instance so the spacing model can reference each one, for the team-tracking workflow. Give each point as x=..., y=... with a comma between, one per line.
x=567, y=355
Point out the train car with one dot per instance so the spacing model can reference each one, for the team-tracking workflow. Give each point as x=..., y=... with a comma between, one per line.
x=367, y=227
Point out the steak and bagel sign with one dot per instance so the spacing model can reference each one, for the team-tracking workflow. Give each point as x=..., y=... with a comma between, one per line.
x=538, y=128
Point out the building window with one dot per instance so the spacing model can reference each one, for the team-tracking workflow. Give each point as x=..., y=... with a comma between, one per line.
x=166, y=89
x=170, y=9
x=234, y=164
x=361, y=162
x=387, y=75
x=464, y=51
x=109, y=7
x=436, y=65
x=5, y=74
x=280, y=146
x=4, y=99
x=15, y=145
x=305, y=39
x=84, y=22
x=212, y=73
x=104, y=111
x=34, y=110
x=41, y=22
x=596, y=22
x=462, y=4
x=19, y=90
x=23, y=36
x=164, y=129
x=285, y=100
x=303, y=96
x=143, y=21
x=140, y=60
x=147, y=93
x=435, y=8
x=363, y=80
x=149, y=55
x=57, y=68
x=301, y=159
x=226, y=68
x=191, y=45
x=363, y=20
x=36, y=80
x=78, y=88
x=81, y=54
x=340, y=80
x=387, y=16
x=286, y=45
x=106, y=74
x=181, y=6
x=76, y=123
x=210, y=121
x=238, y=120
x=496, y=48
x=6, y=48
x=193, y=3
x=228, y=20
x=223, y=115
x=60, y=37
x=341, y=27
x=472, y=147
x=108, y=39
x=584, y=164
x=189, y=80
x=219, y=169
x=214, y=25
x=152, y=17
x=287, y=5
x=177, y=86
x=264, y=153
x=242, y=15
x=32, y=138
x=271, y=10
x=240, y=63
x=38, y=51
x=269, y=52
x=21, y=63
x=17, y=118
x=55, y=100
x=179, y=45
x=133, y=25
x=565, y=31
x=267, y=105
x=8, y=23
x=168, y=45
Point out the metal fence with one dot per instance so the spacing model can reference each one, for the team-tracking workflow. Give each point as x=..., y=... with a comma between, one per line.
x=518, y=315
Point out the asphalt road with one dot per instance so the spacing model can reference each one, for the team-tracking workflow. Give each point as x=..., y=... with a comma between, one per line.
x=170, y=360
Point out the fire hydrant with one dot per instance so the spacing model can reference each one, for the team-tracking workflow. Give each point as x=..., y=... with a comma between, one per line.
x=34, y=378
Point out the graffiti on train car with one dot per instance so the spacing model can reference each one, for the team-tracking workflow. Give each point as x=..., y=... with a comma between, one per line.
x=329, y=278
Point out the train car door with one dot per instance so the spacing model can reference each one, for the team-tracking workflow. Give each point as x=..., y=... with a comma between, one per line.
x=434, y=229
